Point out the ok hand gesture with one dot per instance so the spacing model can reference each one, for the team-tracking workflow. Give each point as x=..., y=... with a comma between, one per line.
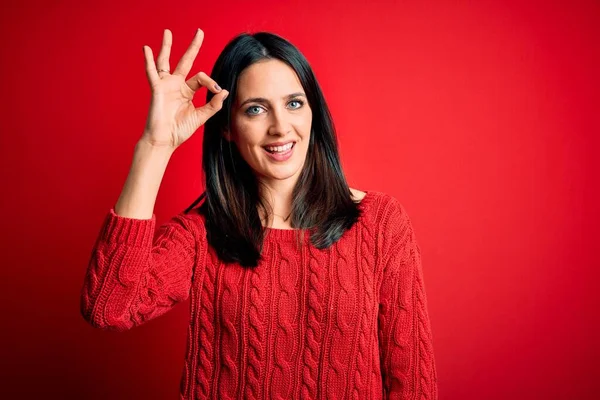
x=172, y=118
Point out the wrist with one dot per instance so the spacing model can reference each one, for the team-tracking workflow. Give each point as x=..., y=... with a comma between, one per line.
x=155, y=149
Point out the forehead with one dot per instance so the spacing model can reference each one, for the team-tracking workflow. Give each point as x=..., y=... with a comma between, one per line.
x=270, y=78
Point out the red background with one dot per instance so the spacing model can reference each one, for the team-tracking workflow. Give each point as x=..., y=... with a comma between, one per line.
x=480, y=117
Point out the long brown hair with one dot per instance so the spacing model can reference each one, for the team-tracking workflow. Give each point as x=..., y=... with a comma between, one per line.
x=322, y=201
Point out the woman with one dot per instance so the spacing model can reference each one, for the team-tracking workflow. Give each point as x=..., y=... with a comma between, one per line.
x=300, y=287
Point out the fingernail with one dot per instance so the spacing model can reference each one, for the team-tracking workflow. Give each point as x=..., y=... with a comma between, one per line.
x=217, y=87
x=226, y=94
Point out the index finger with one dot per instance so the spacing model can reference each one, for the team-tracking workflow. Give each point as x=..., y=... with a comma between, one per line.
x=185, y=64
x=153, y=77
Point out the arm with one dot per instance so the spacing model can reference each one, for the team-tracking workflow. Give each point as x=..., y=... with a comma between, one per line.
x=131, y=278
x=406, y=348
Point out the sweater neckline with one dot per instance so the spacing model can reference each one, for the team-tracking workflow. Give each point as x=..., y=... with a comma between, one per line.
x=283, y=234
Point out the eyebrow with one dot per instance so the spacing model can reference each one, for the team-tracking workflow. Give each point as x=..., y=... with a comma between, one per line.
x=265, y=101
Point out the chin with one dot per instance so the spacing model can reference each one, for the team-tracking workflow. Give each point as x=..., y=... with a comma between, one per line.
x=281, y=173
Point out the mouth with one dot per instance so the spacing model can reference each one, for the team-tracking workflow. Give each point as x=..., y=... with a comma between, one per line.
x=283, y=155
x=282, y=149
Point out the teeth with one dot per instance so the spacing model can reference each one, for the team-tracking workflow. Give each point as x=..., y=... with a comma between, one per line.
x=280, y=149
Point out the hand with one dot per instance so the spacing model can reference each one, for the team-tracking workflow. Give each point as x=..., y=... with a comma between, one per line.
x=172, y=118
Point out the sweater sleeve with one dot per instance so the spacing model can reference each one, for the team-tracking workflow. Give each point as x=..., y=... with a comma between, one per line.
x=406, y=348
x=136, y=274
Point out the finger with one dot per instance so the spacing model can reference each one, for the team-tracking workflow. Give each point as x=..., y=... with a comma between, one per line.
x=151, y=73
x=201, y=79
x=165, y=52
x=185, y=64
x=212, y=107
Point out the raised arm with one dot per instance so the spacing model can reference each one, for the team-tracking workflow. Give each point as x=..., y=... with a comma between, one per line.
x=406, y=348
x=133, y=277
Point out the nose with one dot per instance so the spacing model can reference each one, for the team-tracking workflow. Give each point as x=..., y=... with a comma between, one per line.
x=280, y=124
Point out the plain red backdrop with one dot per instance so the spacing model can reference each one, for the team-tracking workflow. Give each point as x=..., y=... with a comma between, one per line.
x=480, y=117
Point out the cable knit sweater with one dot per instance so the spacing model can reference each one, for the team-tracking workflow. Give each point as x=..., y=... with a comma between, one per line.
x=348, y=322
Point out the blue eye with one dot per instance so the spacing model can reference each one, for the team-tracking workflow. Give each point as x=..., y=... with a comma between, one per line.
x=298, y=101
x=249, y=108
x=292, y=101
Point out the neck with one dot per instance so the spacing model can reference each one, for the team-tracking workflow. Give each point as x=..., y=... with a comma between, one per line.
x=279, y=199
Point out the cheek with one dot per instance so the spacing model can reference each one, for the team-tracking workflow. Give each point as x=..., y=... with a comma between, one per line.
x=245, y=136
x=248, y=146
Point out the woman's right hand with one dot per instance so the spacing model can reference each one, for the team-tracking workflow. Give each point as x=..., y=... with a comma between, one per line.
x=172, y=118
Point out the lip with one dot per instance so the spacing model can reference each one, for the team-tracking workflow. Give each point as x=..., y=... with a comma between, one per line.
x=281, y=156
x=279, y=143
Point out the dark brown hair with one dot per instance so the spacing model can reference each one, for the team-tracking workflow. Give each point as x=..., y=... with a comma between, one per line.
x=322, y=202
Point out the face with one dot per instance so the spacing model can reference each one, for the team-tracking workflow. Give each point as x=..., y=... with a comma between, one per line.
x=270, y=108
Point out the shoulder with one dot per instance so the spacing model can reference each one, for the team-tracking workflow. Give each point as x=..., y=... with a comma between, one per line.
x=386, y=209
x=191, y=222
x=394, y=237
x=390, y=220
x=394, y=211
x=386, y=218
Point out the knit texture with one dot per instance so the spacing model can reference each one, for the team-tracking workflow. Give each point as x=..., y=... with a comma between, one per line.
x=348, y=322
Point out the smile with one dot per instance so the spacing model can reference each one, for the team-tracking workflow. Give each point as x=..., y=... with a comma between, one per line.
x=283, y=155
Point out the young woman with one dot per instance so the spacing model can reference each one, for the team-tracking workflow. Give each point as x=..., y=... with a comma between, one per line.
x=300, y=287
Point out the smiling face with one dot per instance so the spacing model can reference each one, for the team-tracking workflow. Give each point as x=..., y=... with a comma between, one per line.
x=271, y=107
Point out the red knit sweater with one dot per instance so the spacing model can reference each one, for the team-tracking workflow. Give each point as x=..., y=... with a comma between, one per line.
x=350, y=321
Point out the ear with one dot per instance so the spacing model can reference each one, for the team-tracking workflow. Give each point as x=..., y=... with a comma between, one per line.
x=227, y=135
